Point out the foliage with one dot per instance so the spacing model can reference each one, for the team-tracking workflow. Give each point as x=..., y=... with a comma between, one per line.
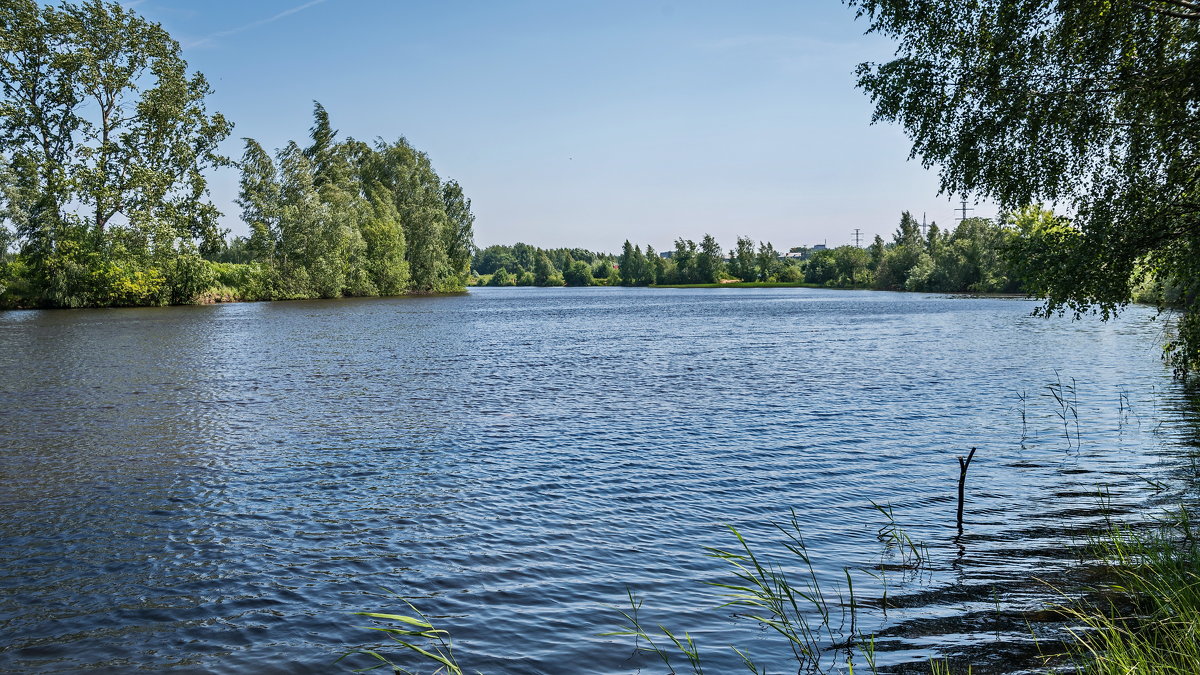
x=742, y=263
x=1089, y=105
x=842, y=266
x=106, y=142
x=345, y=218
x=709, y=264
x=416, y=634
x=544, y=272
x=1149, y=621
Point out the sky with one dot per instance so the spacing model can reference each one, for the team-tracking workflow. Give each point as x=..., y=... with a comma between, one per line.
x=581, y=123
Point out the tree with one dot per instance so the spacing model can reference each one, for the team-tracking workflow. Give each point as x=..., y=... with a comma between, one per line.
x=853, y=264
x=260, y=201
x=631, y=264
x=709, y=263
x=1091, y=105
x=502, y=278
x=906, y=252
x=492, y=258
x=684, y=258
x=383, y=237
x=459, y=234
x=654, y=266
x=767, y=260
x=105, y=130
x=544, y=272
x=579, y=273
x=741, y=260
x=876, y=250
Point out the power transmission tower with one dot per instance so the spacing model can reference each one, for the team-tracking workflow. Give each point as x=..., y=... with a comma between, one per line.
x=964, y=209
x=857, y=238
x=924, y=227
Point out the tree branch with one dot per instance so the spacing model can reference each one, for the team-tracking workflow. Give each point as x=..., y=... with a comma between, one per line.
x=1195, y=16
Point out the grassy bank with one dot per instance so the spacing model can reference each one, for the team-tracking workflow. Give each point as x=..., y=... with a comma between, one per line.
x=1147, y=618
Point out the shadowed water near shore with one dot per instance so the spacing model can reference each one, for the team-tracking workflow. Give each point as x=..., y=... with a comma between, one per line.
x=216, y=488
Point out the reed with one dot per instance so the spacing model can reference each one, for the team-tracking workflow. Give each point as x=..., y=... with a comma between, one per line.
x=432, y=646
x=819, y=625
x=1149, y=619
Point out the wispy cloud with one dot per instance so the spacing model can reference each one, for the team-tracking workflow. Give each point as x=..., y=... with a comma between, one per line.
x=255, y=24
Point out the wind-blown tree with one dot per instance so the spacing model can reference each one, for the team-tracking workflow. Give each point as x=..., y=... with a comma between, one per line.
x=346, y=218
x=260, y=199
x=383, y=237
x=417, y=192
x=108, y=141
x=1089, y=105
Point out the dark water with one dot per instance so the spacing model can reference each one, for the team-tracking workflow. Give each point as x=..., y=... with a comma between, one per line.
x=216, y=488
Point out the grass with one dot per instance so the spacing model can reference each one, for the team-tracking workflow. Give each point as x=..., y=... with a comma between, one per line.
x=431, y=645
x=1149, y=619
x=819, y=625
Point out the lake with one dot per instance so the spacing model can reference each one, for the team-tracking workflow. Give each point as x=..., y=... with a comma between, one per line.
x=216, y=488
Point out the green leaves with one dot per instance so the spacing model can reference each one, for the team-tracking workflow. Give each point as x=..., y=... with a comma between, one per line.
x=431, y=644
x=109, y=140
x=1092, y=106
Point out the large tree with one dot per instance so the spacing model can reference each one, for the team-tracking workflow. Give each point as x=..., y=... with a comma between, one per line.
x=105, y=130
x=1090, y=105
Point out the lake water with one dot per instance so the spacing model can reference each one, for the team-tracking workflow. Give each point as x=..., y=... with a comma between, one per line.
x=215, y=489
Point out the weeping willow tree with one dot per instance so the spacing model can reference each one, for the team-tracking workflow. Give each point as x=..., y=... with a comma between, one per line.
x=1092, y=105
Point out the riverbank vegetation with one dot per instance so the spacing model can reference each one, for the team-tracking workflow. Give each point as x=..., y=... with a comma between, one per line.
x=974, y=257
x=1148, y=618
x=105, y=146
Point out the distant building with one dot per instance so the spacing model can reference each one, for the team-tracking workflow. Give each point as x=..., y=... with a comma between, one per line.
x=802, y=252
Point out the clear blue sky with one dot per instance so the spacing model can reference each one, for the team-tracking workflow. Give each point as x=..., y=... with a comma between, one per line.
x=581, y=123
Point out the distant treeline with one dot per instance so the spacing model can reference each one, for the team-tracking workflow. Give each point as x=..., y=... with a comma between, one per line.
x=105, y=145
x=977, y=256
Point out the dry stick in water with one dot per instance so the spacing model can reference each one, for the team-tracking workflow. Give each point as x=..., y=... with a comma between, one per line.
x=963, y=464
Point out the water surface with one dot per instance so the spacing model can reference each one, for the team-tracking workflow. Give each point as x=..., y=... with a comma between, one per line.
x=214, y=489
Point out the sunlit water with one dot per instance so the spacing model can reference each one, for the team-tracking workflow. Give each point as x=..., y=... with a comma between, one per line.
x=217, y=488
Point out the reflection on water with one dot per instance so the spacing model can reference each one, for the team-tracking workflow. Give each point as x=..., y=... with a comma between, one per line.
x=215, y=488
